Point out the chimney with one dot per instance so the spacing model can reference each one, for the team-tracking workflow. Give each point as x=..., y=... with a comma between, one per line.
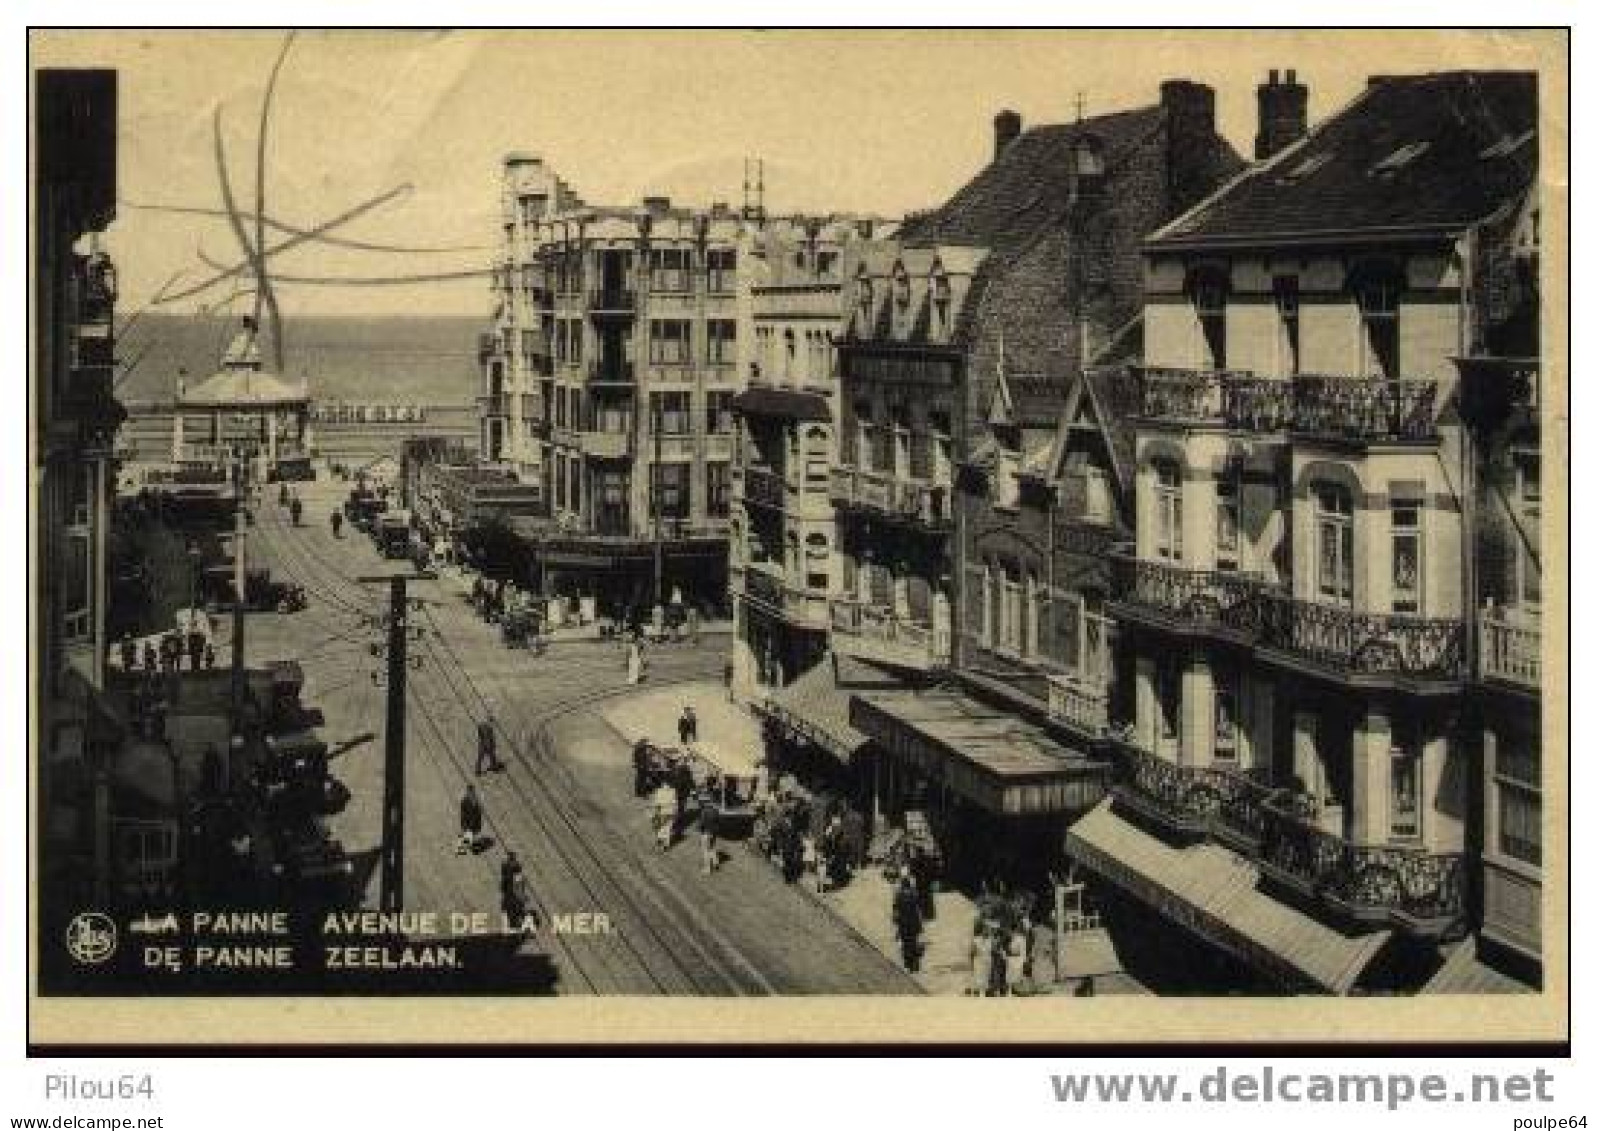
x=657, y=206
x=1189, y=139
x=1006, y=128
x=1283, y=114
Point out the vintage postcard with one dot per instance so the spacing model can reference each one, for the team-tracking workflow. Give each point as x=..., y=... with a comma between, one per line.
x=721, y=536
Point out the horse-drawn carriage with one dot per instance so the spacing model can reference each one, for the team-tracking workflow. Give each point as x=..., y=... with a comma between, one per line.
x=693, y=776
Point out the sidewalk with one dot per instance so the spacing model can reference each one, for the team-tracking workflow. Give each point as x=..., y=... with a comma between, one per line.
x=729, y=736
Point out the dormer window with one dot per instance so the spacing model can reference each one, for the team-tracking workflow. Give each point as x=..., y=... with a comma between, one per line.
x=1087, y=158
x=941, y=302
x=863, y=293
x=900, y=287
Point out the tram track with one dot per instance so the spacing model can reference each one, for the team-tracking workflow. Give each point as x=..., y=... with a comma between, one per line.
x=686, y=954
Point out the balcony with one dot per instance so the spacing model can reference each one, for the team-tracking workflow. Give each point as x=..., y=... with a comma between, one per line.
x=1373, y=885
x=887, y=496
x=612, y=373
x=1363, y=409
x=1190, y=599
x=764, y=488
x=1341, y=408
x=606, y=445
x=873, y=632
x=1511, y=647
x=1362, y=644
x=1246, y=609
x=612, y=302
x=1078, y=704
x=766, y=584
x=494, y=404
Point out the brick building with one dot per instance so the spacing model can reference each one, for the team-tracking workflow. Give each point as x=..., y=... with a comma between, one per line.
x=979, y=470
x=1296, y=783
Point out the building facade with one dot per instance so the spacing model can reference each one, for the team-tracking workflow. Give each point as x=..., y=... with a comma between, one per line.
x=1296, y=611
x=980, y=474
x=76, y=416
x=785, y=570
x=609, y=383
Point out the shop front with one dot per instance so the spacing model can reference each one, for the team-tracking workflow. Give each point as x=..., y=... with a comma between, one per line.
x=996, y=792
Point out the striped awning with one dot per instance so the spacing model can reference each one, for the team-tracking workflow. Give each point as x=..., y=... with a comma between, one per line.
x=1213, y=892
x=980, y=752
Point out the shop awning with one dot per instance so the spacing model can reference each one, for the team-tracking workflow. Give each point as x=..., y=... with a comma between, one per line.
x=1213, y=892
x=788, y=404
x=1465, y=973
x=815, y=705
x=985, y=755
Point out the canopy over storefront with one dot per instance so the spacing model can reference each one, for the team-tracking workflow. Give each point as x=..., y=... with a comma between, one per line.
x=815, y=706
x=1213, y=892
x=982, y=753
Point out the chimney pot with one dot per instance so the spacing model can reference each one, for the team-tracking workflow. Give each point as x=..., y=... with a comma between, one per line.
x=1006, y=128
x=1291, y=77
x=1275, y=76
x=1283, y=115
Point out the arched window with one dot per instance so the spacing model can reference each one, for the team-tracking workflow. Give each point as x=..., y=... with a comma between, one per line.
x=1333, y=541
x=1167, y=510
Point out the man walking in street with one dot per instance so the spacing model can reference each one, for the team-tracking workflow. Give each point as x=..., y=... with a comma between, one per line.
x=907, y=923
x=709, y=820
x=470, y=822
x=487, y=748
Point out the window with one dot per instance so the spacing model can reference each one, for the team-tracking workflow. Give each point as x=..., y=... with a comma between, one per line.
x=718, y=488
x=672, y=413
x=1528, y=471
x=981, y=606
x=670, y=341
x=1208, y=303
x=1008, y=479
x=1407, y=560
x=1226, y=716
x=1167, y=511
x=1286, y=311
x=941, y=304
x=900, y=287
x=77, y=591
x=574, y=494
x=721, y=264
x=1519, y=798
x=1167, y=692
x=1404, y=810
x=723, y=335
x=1334, y=541
x=1010, y=613
x=560, y=407
x=718, y=412
x=560, y=481
x=670, y=268
x=670, y=493
x=825, y=263
x=1030, y=621
x=1228, y=521
x=1378, y=342
x=1067, y=630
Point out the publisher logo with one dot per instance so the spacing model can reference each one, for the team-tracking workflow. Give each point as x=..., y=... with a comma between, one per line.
x=91, y=938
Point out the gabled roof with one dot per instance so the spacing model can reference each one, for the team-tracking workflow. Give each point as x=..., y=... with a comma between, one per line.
x=1025, y=190
x=245, y=387
x=1436, y=152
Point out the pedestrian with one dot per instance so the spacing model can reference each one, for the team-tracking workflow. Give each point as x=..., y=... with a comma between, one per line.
x=196, y=649
x=129, y=653
x=210, y=656
x=685, y=726
x=664, y=812
x=150, y=660
x=1044, y=948
x=640, y=768
x=693, y=723
x=1015, y=958
x=513, y=894
x=296, y=509
x=907, y=924
x=338, y=524
x=726, y=676
x=854, y=839
x=487, y=748
x=981, y=961
x=693, y=625
x=470, y=822
x=709, y=822
x=792, y=850
x=920, y=870
x=282, y=495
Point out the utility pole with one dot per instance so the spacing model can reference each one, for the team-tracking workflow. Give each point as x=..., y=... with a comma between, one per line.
x=236, y=699
x=392, y=897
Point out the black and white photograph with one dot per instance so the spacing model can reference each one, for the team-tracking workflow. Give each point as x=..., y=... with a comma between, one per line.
x=864, y=519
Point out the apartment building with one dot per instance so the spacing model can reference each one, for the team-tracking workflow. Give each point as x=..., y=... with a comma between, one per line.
x=1297, y=786
x=609, y=383
x=785, y=569
x=978, y=471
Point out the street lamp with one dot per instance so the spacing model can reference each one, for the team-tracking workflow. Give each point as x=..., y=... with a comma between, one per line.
x=194, y=574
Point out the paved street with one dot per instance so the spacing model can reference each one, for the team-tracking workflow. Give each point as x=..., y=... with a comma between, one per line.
x=564, y=803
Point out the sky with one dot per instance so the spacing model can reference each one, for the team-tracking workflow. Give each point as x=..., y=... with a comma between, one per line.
x=846, y=121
